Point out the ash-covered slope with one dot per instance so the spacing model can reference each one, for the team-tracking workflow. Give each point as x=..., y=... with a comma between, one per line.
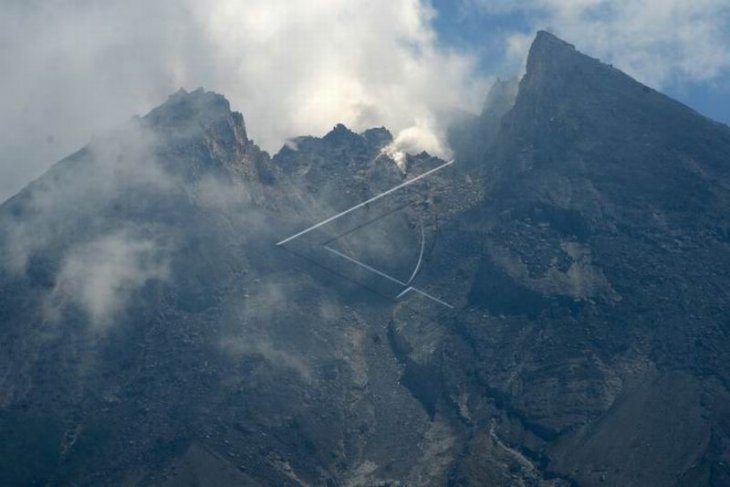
x=152, y=333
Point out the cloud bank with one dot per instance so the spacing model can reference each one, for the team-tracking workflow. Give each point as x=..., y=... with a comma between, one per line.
x=293, y=67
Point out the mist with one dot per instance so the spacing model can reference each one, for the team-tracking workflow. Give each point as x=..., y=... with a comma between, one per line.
x=102, y=275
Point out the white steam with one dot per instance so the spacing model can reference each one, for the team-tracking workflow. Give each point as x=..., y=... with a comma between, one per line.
x=414, y=140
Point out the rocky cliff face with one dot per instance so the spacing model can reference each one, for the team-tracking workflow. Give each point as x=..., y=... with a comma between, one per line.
x=153, y=333
x=594, y=312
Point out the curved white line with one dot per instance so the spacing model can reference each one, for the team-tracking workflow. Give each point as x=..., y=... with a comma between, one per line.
x=420, y=255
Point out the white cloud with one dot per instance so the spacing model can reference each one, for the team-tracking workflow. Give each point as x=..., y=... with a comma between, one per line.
x=300, y=66
x=75, y=68
x=293, y=67
x=656, y=41
x=102, y=275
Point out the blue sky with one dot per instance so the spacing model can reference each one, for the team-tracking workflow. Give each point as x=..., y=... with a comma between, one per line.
x=483, y=27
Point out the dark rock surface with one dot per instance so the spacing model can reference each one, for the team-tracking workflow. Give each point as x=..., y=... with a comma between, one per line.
x=596, y=312
x=152, y=333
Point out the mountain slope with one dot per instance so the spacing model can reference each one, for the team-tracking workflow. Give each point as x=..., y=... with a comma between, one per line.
x=596, y=317
x=153, y=333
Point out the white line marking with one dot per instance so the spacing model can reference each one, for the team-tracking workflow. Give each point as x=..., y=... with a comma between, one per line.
x=390, y=278
x=420, y=256
x=365, y=266
x=360, y=205
x=423, y=293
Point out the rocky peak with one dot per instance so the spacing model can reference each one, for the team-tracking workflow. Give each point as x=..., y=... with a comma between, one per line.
x=379, y=136
x=558, y=75
x=341, y=135
x=350, y=146
x=198, y=113
x=556, y=69
x=583, y=135
x=566, y=94
x=547, y=49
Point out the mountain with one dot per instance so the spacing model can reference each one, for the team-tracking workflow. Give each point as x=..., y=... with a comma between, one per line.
x=175, y=307
x=595, y=311
x=154, y=334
